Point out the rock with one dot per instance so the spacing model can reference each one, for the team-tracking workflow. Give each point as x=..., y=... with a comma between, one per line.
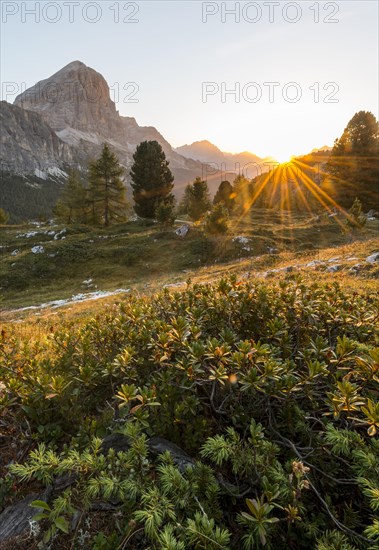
x=15, y=252
x=356, y=268
x=333, y=268
x=59, y=235
x=29, y=145
x=156, y=445
x=159, y=445
x=14, y=520
x=240, y=239
x=314, y=263
x=373, y=258
x=28, y=235
x=118, y=442
x=38, y=249
x=332, y=260
x=173, y=285
x=182, y=231
x=88, y=283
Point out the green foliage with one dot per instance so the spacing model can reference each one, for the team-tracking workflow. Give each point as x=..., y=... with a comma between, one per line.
x=334, y=540
x=53, y=515
x=354, y=162
x=73, y=202
x=4, y=217
x=356, y=217
x=28, y=198
x=216, y=221
x=360, y=137
x=106, y=189
x=196, y=201
x=258, y=522
x=225, y=194
x=242, y=190
x=152, y=180
x=165, y=213
x=270, y=387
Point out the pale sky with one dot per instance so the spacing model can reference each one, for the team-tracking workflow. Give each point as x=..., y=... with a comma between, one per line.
x=175, y=47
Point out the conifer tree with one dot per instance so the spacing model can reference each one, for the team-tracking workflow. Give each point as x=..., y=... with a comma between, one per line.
x=71, y=206
x=107, y=190
x=197, y=199
x=165, y=213
x=216, y=221
x=152, y=180
x=225, y=195
x=242, y=191
x=354, y=162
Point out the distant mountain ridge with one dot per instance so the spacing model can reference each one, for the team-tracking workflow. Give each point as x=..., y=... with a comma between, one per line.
x=231, y=163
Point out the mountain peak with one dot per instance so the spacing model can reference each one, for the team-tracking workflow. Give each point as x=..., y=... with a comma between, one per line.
x=74, y=65
x=76, y=96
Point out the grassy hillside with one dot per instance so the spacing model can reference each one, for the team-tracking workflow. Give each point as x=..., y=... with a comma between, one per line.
x=135, y=255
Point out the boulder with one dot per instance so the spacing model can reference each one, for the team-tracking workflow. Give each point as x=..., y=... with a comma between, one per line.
x=373, y=258
x=182, y=231
x=15, y=519
x=333, y=268
x=38, y=249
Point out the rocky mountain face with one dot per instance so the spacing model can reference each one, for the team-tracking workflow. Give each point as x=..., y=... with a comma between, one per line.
x=62, y=122
x=29, y=145
x=75, y=102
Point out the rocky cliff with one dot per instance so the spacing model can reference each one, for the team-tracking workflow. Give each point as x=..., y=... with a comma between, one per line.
x=75, y=102
x=28, y=145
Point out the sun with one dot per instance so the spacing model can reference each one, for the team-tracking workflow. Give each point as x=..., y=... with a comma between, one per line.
x=284, y=159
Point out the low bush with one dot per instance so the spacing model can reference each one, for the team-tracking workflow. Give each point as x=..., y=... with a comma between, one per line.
x=271, y=388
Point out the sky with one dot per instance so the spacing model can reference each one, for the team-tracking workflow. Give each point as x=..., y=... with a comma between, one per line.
x=274, y=78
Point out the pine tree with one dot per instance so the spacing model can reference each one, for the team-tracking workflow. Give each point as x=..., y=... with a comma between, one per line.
x=107, y=190
x=152, y=180
x=225, y=195
x=185, y=202
x=198, y=199
x=216, y=221
x=165, y=213
x=71, y=206
x=242, y=191
x=354, y=162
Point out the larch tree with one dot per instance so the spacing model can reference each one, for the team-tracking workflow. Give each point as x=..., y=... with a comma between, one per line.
x=106, y=188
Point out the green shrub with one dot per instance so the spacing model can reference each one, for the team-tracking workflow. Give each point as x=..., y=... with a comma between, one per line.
x=271, y=388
